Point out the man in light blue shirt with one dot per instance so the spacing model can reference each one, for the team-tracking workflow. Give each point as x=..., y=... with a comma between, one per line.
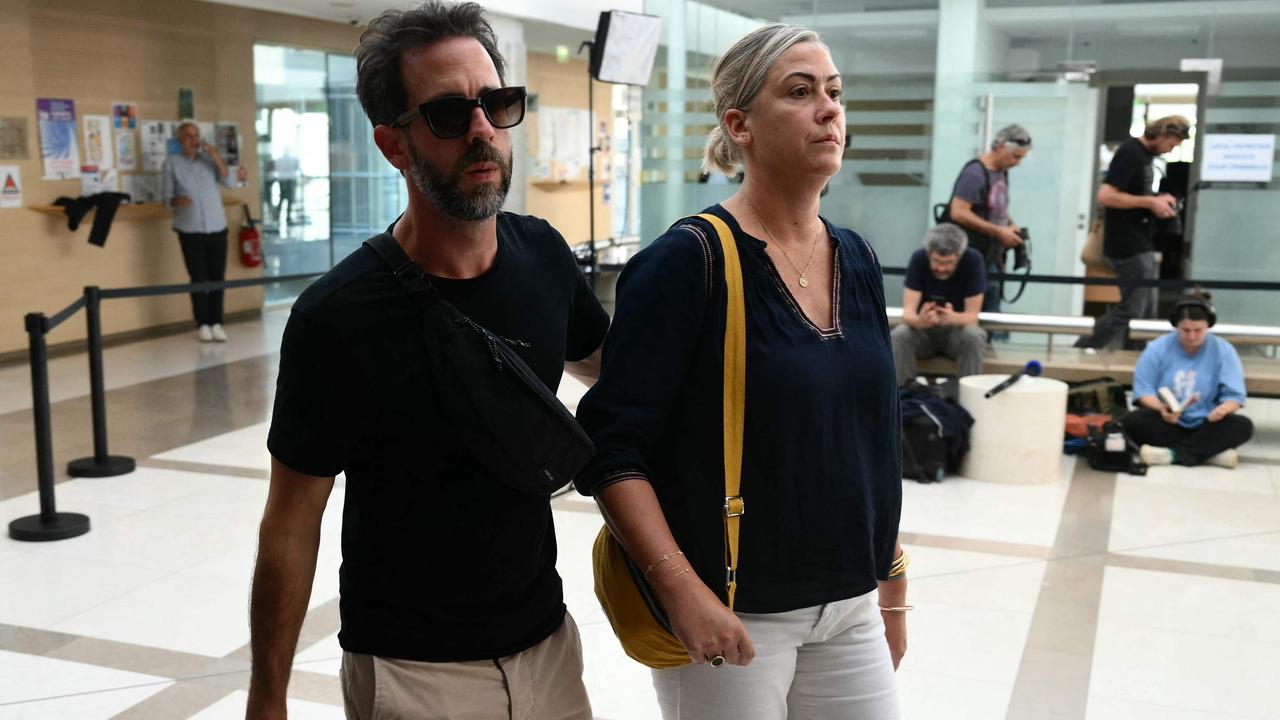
x=1195, y=421
x=191, y=189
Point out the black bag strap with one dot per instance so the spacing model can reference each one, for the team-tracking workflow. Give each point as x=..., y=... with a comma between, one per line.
x=405, y=270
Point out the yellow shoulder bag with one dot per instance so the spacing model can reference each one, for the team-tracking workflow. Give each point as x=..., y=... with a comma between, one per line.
x=632, y=609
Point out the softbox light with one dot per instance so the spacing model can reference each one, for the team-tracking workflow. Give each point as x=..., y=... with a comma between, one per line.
x=625, y=46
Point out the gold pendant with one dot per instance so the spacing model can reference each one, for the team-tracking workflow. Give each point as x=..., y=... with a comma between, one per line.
x=804, y=281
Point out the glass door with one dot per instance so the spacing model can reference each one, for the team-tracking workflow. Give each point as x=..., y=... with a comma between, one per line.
x=1050, y=193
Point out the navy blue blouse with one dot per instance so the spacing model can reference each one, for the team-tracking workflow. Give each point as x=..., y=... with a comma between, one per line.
x=821, y=476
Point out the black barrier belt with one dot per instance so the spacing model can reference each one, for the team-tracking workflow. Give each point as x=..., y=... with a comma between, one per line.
x=67, y=312
x=1135, y=282
x=201, y=287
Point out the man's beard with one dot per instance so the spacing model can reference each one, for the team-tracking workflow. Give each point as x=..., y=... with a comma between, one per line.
x=444, y=189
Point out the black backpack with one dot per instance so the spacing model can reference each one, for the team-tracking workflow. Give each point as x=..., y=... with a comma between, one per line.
x=935, y=433
x=512, y=422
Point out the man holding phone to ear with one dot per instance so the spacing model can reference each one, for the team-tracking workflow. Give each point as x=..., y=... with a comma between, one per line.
x=941, y=297
x=190, y=186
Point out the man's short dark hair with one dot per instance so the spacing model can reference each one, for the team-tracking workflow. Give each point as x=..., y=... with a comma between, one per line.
x=379, y=83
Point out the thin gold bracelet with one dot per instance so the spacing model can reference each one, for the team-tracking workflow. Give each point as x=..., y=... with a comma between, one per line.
x=897, y=608
x=659, y=561
x=678, y=573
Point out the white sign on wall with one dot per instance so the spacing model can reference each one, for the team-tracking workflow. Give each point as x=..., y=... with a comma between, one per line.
x=1239, y=158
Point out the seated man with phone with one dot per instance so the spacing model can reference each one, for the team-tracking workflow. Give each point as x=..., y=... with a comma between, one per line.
x=941, y=297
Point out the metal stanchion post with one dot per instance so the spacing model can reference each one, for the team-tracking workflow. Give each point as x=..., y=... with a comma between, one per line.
x=102, y=464
x=49, y=524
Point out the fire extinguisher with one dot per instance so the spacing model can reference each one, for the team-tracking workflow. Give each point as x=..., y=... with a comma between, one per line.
x=250, y=241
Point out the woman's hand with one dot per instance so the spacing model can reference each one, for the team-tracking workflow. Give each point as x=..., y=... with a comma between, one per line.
x=701, y=622
x=895, y=632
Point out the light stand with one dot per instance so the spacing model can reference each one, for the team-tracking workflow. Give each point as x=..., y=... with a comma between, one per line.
x=622, y=52
x=592, y=149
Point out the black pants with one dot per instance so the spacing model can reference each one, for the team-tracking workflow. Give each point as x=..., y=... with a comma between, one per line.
x=206, y=257
x=1191, y=447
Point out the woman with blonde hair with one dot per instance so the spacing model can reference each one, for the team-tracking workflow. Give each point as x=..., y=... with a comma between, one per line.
x=818, y=625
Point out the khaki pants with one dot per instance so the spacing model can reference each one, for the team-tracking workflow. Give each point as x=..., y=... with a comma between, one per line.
x=541, y=683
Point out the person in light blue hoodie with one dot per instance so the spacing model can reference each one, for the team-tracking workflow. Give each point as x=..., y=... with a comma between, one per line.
x=1196, y=420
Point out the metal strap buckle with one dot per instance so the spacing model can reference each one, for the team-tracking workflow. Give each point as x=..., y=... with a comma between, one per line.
x=730, y=576
x=734, y=506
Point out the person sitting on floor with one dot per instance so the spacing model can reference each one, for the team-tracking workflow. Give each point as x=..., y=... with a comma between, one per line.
x=942, y=294
x=1204, y=374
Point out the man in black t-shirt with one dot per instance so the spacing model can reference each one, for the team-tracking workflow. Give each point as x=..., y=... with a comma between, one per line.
x=450, y=601
x=941, y=297
x=1129, y=225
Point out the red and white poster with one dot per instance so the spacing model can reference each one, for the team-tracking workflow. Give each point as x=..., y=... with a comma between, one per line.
x=10, y=186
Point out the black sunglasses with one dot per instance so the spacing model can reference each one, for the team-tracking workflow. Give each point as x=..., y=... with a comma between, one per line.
x=450, y=117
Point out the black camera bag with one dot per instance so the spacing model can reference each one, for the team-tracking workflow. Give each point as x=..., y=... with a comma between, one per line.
x=509, y=420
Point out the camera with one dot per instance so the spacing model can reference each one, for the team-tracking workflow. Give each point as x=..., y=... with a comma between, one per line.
x=1022, y=253
x=1172, y=225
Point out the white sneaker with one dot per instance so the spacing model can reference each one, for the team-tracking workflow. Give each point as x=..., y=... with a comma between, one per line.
x=218, y=333
x=1228, y=458
x=205, y=333
x=1152, y=455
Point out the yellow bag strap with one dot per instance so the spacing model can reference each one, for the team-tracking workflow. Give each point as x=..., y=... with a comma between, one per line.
x=735, y=392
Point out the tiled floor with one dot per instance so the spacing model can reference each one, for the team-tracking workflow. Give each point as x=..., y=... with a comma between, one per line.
x=1093, y=596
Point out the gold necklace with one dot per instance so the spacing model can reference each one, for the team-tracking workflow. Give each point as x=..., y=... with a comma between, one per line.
x=804, y=281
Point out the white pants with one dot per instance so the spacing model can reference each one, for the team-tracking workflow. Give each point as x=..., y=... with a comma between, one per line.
x=829, y=662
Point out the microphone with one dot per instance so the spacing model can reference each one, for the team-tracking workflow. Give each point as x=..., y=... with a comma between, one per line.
x=1032, y=369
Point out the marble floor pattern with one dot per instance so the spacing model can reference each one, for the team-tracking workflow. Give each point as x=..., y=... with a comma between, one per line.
x=1094, y=596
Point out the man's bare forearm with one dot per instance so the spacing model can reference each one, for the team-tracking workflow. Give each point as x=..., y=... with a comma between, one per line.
x=282, y=581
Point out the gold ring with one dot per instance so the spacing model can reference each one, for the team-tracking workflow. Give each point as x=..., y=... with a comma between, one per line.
x=717, y=661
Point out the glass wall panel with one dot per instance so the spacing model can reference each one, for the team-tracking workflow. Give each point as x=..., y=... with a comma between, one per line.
x=882, y=189
x=1237, y=225
x=367, y=193
x=293, y=149
x=910, y=130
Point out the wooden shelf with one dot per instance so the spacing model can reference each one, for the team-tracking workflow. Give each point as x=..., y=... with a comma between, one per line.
x=559, y=184
x=130, y=211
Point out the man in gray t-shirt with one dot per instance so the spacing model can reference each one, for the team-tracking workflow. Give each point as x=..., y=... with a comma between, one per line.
x=980, y=203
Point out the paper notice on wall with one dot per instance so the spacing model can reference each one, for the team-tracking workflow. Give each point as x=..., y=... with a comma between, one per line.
x=10, y=186
x=99, y=151
x=126, y=142
x=226, y=137
x=563, y=136
x=124, y=115
x=155, y=138
x=144, y=188
x=58, y=147
x=206, y=132
x=13, y=138
x=95, y=180
x=1238, y=158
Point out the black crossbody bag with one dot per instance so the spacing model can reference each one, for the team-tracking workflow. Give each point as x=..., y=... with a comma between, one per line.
x=507, y=418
